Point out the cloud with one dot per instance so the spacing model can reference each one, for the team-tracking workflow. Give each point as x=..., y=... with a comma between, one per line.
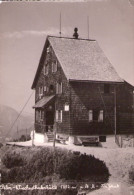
x=21, y=34
x=131, y=2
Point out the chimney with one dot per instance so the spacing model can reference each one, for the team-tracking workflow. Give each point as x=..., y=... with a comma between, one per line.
x=75, y=35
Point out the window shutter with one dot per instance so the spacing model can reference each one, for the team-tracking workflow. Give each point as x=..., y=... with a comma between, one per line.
x=90, y=115
x=60, y=87
x=56, y=115
x=61, y=116
x=56, y=66
x=45, y=88
x=40, y=114
x=44, y=70
x=56, y=88
x=36, y=115
x=52, y=66
x=100, y=119
x=42, y=90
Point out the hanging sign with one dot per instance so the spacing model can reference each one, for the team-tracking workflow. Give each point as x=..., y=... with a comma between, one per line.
x=66, y=107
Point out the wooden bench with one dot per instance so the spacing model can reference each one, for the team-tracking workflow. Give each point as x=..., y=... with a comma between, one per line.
x=61, y=140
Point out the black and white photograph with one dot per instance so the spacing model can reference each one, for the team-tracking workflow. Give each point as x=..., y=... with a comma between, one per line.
x=67, y=97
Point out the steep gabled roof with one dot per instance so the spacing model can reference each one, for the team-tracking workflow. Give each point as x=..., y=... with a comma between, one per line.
x=81, y=60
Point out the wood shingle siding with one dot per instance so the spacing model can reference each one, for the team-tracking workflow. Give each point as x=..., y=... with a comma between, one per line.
x=85, y=97
x=81, y=78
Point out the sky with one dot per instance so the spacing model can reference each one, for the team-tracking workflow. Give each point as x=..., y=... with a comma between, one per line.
x=25, y=25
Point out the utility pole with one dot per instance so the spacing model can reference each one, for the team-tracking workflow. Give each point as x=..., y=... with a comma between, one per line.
x=26, y=134
x=88, y=26
x=33, y=137
x=115, y=113
x=17, y=132
x=55, y=130
x=60, y=25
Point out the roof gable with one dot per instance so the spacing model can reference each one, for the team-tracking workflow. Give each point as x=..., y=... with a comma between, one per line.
x=80, y=59
x=83, y=60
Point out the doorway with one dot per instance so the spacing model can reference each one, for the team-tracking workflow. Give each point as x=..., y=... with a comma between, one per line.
x=49, y=121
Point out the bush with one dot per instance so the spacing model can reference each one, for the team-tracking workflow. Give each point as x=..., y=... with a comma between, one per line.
x=42, y=192
x=131, y=174
x=47, y=164
x=13, y=160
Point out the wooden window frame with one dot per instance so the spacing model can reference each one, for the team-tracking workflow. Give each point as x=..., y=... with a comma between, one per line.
x=59, y=115
x=59, y=88
x=41, y=90
x=46, y=67
x=54, y=66
x=96, y=116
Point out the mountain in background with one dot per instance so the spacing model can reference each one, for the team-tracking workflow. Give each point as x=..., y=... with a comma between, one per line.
x=22, y=126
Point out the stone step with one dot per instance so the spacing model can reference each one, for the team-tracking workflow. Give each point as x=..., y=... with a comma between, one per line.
x=50, y=137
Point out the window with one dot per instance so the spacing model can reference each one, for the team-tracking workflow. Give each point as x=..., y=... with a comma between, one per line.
x=45, y=88
x=101, y=116
x=96, y=115
x=36, y=115
x=41, y=115
x=58, y=115
x=51, y=88
x=106, y=88
x=48, y=49
x=40, y=92
x=46, y=69
x=54, y=66
x=58, y=88
x=90, y=115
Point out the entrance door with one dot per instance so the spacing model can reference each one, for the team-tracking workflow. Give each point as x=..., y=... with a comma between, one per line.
x=49, y=120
